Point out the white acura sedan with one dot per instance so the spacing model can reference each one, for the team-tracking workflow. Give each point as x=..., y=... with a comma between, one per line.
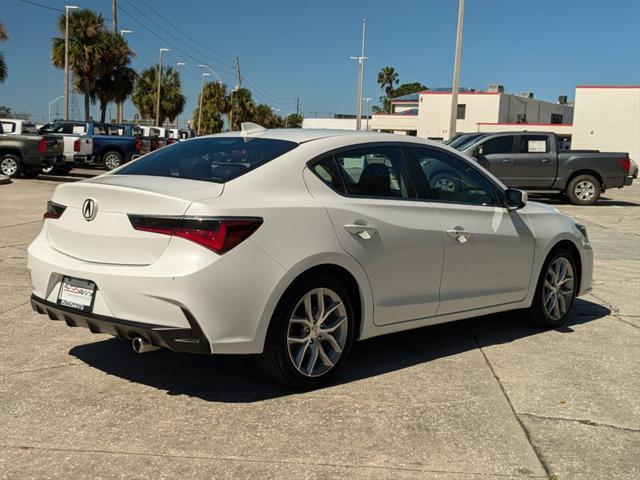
x=291, y=244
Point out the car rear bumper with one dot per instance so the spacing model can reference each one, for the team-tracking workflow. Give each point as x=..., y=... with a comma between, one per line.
x=628, y=180
x=190, y=340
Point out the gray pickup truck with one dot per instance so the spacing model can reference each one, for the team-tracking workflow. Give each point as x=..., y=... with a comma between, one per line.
x=534, y=162
x=27, y=154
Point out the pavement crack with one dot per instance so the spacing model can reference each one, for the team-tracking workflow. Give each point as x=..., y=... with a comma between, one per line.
x=18, y=224
x=526, y=432
x=39, y=369
x=234, y=458
x=615, y=312
x=14, y=307
x=583, y=421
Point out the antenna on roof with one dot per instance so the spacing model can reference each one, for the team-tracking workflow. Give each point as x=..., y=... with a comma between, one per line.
x=249, y=128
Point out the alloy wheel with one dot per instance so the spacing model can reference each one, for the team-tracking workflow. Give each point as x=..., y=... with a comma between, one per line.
x=444, y=185
x=585, y=190
x=112, y=160
x=8, y=166
x=317, y=332
x=558, y=290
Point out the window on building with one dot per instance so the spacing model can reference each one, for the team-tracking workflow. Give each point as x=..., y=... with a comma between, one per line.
x=521, y=118
x=462, y=112
x=556, y=118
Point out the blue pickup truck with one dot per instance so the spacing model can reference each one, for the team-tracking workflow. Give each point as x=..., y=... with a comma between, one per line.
x=113, y=144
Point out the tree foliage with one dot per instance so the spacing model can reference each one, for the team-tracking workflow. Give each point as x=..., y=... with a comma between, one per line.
x=293, y=120
x=3, y=64
x=242, y=108
x=215, y=103
x=408, y=89
x=145, y=93
x=387, y=78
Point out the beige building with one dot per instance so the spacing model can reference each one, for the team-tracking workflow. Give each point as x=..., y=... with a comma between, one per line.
x=607, y=118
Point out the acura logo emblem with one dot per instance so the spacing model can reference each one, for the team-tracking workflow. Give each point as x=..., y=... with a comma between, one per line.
x=89, y=209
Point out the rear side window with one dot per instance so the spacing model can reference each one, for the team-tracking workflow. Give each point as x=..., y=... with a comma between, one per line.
x=209, y=159
x=328, y=172
x=8, y=127
x=374, y=172
x=498, y=145
x=533, y=144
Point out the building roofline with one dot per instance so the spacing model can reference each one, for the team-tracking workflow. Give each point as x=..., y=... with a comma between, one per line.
x=434, y=92
x=607, y=86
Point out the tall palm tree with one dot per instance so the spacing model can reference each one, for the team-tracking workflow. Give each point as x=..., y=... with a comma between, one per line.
x=242, y=108
x=145, y=92
x=265, y=116
x=387, y=78
x=89, y=50
x=3, y=65
x=214, y=104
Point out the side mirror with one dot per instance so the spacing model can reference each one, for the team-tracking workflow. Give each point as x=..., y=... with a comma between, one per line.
x=515, y=199
x=479, y=152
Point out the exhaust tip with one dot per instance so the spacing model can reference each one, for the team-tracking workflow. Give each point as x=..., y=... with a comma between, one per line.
x=140, y=345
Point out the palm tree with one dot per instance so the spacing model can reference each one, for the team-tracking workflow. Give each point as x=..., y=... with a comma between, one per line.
x=3, y=66
x=242, y=107
x=265, y=116
x=145, y=92
x=89, y=50
x=294, y=120
x=387, y=77
x=214, y=103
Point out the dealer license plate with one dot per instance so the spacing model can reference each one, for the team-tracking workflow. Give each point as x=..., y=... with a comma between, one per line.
x=77, y=293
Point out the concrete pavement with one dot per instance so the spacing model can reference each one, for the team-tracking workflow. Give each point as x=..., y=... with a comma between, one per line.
x=484, y=398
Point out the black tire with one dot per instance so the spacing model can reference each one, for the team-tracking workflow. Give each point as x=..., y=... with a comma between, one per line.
x=584, y=189
x=31, y=172
x=537, y=313
x=112, y=159
x=64, y=169
x=50, y=170
x=275, y=360
x=10, y=165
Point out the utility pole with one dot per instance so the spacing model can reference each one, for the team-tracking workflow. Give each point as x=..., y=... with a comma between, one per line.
x=298, y=106
x=66, y=59
x=367, y=101
x=238, y=73
x=205, y=74
x=456, y=72
x=360, y=60
x=178, y=65
x=159, y=84
x=114, y=20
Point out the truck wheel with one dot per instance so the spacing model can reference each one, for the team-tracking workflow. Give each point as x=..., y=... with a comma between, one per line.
x=112, y=159
x=48, y=170
x=584, y=190
x=10, y=165
x=31, y=172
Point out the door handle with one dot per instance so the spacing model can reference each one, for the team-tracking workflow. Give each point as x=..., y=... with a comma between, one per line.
x=546, y=160
x=363, y=231
x=459, y=234
x=507, y=160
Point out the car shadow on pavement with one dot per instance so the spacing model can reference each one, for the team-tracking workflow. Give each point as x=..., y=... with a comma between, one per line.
x=602, y=202
x=236, y=378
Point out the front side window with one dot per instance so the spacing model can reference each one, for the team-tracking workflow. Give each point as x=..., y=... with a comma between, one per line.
x=374, y=172
x=453, y=180
x=209, y=159
x=498, y=145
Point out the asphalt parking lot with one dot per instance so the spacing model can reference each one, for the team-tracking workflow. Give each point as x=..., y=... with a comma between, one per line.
x=490, y=397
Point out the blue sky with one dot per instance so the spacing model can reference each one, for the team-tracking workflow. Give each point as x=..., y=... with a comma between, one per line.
x=301, y=48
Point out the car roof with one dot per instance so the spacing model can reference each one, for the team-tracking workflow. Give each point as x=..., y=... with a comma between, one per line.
x=303, y=135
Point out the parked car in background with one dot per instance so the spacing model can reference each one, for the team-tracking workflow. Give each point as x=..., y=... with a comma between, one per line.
x=156, y=135
x=463, y=139
x=291, y=244
x=533, y=161
x=27, y=153
x=112, y=145
x=76, y=143
x=181, y=134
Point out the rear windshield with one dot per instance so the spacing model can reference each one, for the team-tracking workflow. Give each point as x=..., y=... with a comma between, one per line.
x=211, y=159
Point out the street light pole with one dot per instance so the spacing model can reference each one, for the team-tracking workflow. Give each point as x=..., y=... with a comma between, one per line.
x=219, y=78
x=456, y=72
x=368, y=101
x=66, y=59
x=204, y=74
x=360, y=60
x=120, y=105
x=51, y=103
x=159, y=84
x=178, y=65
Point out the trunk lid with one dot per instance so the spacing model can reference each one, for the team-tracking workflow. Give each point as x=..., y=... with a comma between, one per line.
x=109, y=236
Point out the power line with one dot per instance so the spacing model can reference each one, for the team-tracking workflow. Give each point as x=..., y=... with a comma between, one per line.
x=36, y=4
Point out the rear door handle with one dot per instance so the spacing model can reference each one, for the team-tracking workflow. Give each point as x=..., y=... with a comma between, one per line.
x=507, y=160
x=546, y=160
x=363, y=231
x=459, y=234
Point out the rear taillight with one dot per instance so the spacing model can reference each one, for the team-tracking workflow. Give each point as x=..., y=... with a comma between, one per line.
x=76, y=145
x=154, y=144
x=217, y=234
x=625, y=163
x=42, y=146
x=138, y=145
x=54, y=210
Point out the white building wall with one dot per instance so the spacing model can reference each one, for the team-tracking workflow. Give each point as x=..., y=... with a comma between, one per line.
x=537, y=111
x=332, y=123
x=608, y=118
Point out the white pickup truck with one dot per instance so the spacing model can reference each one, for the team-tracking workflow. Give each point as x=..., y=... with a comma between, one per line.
x=76, y=143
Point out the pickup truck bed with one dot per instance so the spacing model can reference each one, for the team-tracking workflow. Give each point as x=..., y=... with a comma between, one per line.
x=28, y=154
